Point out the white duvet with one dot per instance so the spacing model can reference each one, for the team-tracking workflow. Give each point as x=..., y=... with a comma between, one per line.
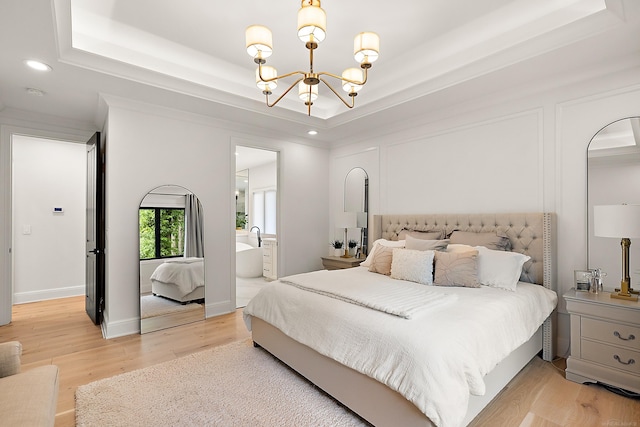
x=185, y=273
x=435, y=359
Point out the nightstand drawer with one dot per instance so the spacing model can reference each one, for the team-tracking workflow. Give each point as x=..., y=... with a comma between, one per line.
x=615, y=357
x=614, y=333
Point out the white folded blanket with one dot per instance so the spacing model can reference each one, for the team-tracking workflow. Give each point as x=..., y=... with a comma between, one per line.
x=373, y=291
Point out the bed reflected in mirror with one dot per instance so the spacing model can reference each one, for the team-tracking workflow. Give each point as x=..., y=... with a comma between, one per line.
x=613, y=177
x=171, y=258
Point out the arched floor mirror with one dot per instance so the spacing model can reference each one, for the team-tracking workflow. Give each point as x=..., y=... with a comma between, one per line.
x=356, y=200
x=172, y=287
x=613, y=178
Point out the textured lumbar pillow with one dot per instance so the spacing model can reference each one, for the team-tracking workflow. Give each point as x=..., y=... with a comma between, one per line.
x=412, y=265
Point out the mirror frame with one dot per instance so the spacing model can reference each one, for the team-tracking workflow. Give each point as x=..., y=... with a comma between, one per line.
x=351, y=175
x=160, y=322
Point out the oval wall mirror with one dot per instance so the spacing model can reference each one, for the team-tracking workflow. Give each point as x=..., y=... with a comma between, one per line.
x=171, y=258
x=356, y=199
x=613, y=178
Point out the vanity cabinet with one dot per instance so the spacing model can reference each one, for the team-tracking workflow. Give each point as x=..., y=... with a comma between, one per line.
x=605, y=340
x=270, y=258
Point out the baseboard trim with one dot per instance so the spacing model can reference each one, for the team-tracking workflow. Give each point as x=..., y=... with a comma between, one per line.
x=217, y=309
x=48, y=294
x=120, y=328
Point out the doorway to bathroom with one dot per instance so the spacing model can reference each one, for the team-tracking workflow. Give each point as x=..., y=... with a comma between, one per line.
x=256, y=207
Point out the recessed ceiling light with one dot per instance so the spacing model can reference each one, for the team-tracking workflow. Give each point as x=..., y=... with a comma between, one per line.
x=35, y=92
x=312, y=132
x=37, y=65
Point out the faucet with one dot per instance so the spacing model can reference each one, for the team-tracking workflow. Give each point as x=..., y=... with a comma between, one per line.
x=259, y=239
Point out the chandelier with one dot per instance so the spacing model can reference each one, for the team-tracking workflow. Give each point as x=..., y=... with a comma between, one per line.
x=312, y=24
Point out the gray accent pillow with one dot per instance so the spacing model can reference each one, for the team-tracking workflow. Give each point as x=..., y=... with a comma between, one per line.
x=424, y=235
x=456, y=269
x=491, y=240
x=426, y=245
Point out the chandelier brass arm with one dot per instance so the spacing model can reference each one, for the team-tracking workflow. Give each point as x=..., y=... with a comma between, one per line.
x=351, y=94
x=267, y=93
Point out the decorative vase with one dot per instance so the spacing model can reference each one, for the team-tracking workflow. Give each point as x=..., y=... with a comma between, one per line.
x=338, y=252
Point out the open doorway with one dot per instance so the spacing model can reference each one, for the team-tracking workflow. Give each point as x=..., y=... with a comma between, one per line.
x=256, y=202
x=48, y=204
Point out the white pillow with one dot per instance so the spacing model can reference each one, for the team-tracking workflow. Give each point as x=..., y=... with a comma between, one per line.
x=383, y=242
x=500, y=269
x=412, y=265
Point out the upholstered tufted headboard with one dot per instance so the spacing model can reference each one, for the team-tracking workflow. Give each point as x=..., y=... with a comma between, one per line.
x=530, y=233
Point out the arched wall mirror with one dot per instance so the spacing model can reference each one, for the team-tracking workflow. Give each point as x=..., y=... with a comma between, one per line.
x=613, y=178
x=356, y=199
x=171, y=258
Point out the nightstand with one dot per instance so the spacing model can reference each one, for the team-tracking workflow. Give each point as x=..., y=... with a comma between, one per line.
x=336, y=262
x=605, y=340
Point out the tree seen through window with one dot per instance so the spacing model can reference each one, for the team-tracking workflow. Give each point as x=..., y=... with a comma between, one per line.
x=161, y=232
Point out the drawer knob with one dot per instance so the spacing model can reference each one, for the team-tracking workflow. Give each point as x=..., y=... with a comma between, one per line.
x=630, y=338
x=630, y=362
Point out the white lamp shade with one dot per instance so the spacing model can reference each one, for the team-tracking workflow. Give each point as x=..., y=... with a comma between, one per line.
x=366, y=47
x=312, y=23
x=267, y=73
x=305, y=91
x=353, y=74
x=346, y=220
x=620, y=221
x=259, y=41
x=361, y=219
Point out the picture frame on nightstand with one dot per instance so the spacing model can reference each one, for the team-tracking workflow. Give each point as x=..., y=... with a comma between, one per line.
x=582, y=280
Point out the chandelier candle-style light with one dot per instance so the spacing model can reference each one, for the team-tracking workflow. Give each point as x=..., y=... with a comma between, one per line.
x=312, y=27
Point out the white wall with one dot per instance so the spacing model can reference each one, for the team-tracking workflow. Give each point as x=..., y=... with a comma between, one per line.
x=507, y=153
x=151, y=146
x=48, y=247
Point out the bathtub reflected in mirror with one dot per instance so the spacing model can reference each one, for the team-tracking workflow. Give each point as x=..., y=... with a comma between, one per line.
x=171, y=259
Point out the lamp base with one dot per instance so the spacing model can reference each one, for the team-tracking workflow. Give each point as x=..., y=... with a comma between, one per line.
x=628, y=297
x=346, y=254
x=631, y=291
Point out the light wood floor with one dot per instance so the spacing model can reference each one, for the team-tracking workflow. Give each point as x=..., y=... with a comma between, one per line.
x=59, y=332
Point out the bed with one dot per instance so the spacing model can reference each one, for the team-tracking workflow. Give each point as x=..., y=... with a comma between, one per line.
x=179, y=279
x=370, y=358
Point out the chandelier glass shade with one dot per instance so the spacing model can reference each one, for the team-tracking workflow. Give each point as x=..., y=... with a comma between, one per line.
x=312, y=30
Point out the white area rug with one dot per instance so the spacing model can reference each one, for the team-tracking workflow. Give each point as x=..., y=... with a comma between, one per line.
x=232, y=385
x=151, y=306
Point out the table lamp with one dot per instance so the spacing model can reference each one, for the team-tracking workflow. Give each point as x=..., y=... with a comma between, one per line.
x=346, y=220
x=622, y=222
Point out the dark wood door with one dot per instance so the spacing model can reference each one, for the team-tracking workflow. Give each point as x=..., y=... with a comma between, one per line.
x=95, y=265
